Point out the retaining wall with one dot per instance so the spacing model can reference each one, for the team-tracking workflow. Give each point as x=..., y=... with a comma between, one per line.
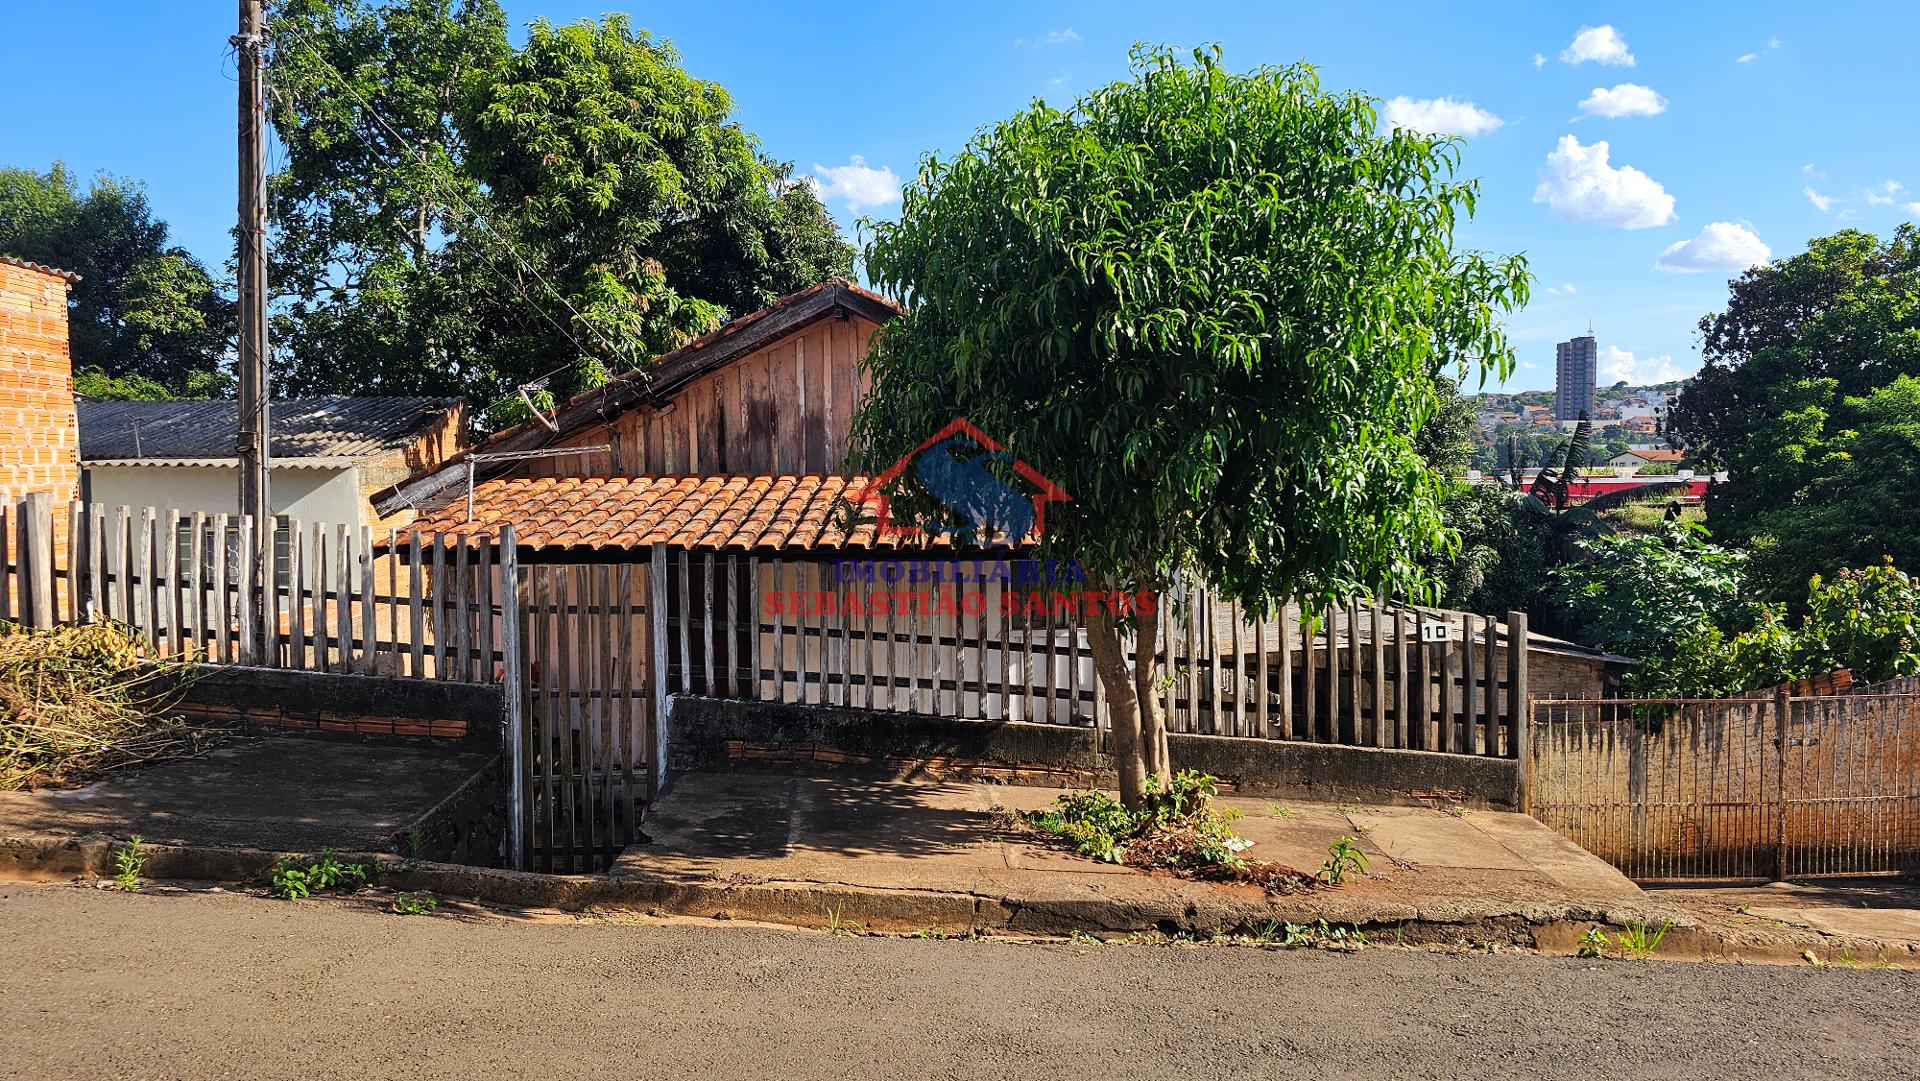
x=707, y=733
x=348, y=704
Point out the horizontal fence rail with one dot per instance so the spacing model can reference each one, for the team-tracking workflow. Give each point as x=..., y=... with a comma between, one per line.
x=1733, y=789
x=342, y=598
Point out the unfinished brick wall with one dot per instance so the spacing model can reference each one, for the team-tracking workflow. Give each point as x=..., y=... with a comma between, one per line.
x=39, y=430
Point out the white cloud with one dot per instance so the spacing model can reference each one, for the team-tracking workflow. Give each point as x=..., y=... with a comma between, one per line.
x=1722, y=245
x=1539, y=61
x=1883, y=195
x=1051, y=37
x=1822, y=203
x=1580, y=186
x=1558, y=290
x=1809, y=170
x=1440, y=116
x=1617, y=364
x=1626, y=99
x=1913, y=208
x=1748, y=58
x=857, y=185
x=1600, y=44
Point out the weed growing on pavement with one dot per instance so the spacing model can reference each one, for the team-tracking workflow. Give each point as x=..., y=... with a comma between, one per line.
x=1343, y=858
x=291, y=879
x=1093, y=823
x=1593, y=943
x=1640, y=939
x=417, y=903
x=835, y=925
x=1340, y=938
x=1321, y=935
x=1179, y=828
x=128, y=861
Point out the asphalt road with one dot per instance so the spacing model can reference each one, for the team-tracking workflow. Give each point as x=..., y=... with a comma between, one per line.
x=159, y=985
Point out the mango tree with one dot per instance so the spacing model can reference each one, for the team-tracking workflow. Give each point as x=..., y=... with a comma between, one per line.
x=1217, y=309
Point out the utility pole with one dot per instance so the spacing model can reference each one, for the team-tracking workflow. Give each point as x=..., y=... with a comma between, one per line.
x=252, y=444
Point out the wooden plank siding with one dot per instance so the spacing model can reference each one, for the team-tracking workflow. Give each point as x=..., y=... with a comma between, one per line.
x=786, y=408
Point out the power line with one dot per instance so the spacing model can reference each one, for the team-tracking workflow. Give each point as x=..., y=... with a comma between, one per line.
x=454, y=198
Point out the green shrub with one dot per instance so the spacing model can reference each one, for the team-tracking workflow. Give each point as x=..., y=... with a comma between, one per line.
x=1177, y=825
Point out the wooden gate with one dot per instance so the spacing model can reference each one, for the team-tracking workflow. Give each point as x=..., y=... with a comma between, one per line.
x=584, y=733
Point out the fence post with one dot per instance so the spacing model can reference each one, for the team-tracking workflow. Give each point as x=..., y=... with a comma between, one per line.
x=36, y=557
x=1520, y=706
x=1782, y=707
x=657, y=678
x=512, y=686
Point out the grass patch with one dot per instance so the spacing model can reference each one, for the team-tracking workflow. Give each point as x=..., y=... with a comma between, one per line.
x=79, y=702
x=1179, y=828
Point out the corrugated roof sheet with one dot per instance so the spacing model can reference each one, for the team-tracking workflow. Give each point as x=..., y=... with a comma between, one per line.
x=27, y=264
x=337, y=427
x=764, y=513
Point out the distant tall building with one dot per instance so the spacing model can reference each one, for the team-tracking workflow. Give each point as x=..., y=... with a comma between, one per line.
x=1575, y=364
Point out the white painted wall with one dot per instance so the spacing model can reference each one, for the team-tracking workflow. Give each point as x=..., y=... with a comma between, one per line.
x=309, y=495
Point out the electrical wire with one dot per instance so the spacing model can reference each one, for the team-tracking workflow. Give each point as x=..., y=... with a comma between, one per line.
x=476, y=217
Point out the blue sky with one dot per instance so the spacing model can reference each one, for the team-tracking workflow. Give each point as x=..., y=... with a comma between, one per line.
x=1748, y=127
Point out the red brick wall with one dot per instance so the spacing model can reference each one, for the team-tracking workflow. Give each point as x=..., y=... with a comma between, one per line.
x=39, y=431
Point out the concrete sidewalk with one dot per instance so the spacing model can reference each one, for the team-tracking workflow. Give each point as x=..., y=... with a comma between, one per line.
x=271, y=793
x=1846, y=922
x=942, y=856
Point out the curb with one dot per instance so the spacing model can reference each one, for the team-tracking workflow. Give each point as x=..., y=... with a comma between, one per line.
x=837, y=906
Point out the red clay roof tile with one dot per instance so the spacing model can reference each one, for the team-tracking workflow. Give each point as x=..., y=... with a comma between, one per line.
x=761, y=513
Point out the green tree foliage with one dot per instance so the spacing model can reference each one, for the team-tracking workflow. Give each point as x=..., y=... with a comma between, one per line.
x=581, y=203
x=1214, y=307
x=1446, y=439
x=1856, y=499
x=1867, y=621
x=1503, y=558
x=144, y=309
x=373, y=292
x=1638, y=594
x=1800, y=400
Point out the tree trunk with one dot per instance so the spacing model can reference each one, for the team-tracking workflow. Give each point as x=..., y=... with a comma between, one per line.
x=1153, y=719
x=1123, y=706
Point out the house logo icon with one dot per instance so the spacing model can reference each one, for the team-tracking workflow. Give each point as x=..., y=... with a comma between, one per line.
x=954, y=466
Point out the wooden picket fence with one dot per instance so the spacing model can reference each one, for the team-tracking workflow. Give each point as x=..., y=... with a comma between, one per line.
x=1362, y=675
x=343, y=599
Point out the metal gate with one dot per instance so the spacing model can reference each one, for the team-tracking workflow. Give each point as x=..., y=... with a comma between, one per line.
x=584, y=728
x=1733, y=789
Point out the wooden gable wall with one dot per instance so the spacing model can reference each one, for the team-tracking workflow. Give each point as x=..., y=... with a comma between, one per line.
x=786, y=408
